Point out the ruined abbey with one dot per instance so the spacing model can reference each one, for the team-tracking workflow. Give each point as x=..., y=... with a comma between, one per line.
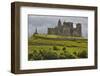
x=66, y=29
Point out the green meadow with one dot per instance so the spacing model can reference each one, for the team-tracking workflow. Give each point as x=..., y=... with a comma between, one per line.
x=49, y=47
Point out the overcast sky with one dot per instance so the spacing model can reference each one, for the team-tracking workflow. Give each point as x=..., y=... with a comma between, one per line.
x=42, y=23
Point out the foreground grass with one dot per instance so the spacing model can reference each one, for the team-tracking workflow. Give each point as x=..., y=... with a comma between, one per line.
x=42, y=48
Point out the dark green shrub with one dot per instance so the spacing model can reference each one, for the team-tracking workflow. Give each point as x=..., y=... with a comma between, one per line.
x=62, y=55
x=69, y=55
x=48, y=54
x=36, y=55
x=55, y=48
x=30, y=56
x=66, y=55
x=82, y=54
x=64, y=48
x=75, y=52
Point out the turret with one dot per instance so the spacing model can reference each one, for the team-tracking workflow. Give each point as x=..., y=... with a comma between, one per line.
x=59, y=23
x=36, y=31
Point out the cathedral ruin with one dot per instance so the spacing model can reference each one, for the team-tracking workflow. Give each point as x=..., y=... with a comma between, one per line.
x=66, y=29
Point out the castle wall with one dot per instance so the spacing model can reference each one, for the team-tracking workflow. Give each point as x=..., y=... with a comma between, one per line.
x=77, y=30
x=51, y=31
x=66, y=29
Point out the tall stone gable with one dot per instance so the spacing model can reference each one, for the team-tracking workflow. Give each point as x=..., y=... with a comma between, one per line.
x=66, y=29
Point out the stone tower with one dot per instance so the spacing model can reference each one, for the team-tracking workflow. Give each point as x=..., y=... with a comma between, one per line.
x=77, y=30
x=67, y=28
x=36, y=31
x=59, y=23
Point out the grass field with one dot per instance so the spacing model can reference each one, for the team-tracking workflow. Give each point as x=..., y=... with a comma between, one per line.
x=48, y=47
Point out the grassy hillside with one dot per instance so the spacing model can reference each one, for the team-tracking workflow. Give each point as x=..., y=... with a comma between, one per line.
x=52, y=36
x=48, y=47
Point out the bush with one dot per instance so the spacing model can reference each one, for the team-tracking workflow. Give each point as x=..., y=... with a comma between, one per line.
x=30, y=56
x=55, y=48
x=49, y=54
x=82, y=54
x=70, y=56
x=35, y=55
x=64, y=48
x=62, y=55
x=75, y=53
